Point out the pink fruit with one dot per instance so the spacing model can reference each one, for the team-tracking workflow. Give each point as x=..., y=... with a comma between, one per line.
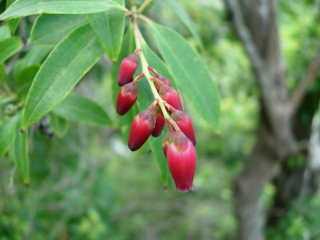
x=171, y=96
x=184, y=122
x=126, y=98
x=141, y=128
x=127, y=68
x=160, y=121
x=182, y=159
x=164, y=80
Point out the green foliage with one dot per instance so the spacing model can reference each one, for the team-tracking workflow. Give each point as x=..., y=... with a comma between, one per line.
x=4, y=32
x=59, y=125
x=22, y=8
x=300, y=222
x=20, y=155
x=80, y=109
x=61, y=71
x=66, y=44
x=184, y=17
x=109, y=28
x=9, y=47
x=7, y=136
x=84, y=184
x=50, y=29
x=85, y=174
x=190, y=74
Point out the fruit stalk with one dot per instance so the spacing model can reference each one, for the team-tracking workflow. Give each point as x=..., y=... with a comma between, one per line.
x=144, y=66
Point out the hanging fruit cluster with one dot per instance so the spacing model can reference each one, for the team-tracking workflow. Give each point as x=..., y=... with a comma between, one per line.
x=167, y=109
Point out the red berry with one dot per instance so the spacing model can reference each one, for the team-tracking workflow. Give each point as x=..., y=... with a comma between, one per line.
x=162, y=83
x=160, y=121
x=182, y=160
x=126, y=98
x=171, y=96
x=184, y=122
x=127, y=68
x=141, y=128
x=164, y=80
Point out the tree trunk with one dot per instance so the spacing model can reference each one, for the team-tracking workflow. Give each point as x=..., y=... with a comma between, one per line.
x=261, y=167
x=255, y=22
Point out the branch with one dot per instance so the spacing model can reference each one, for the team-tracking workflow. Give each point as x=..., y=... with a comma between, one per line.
x=144, y=5
x=244, y=34
x=300, y=92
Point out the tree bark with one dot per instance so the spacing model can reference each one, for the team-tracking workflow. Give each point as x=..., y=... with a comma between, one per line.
x=255, y=22
x=261, y=167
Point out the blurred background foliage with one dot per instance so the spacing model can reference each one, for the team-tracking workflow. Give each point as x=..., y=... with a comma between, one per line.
x=87, y=185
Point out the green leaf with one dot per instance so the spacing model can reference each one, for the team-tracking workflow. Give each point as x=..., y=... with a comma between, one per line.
x=3, y=74
x=22, y=8
x=26, y=68
x=80, y=109
x=7, y=134
x=156, y=62
x=9, y=2
x=23, y=80
x=62, y=70
x=20, y=155
x=109, y=28
x=35, y=56
x=50, y=29
x=190, y=74
x=156, y=148
x=184, y=17
x=4, y=32
x=59, y=125
x=9, y=47
x=13, y=23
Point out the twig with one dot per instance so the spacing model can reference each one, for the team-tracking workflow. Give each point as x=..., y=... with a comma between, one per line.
x=300, y=92
x=144, y=5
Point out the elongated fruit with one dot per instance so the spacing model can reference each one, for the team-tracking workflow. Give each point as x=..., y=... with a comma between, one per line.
x=141, y=128
x=184, y=122
x=160, y=121
x=182, y=160
x=164, y=80
x=126, y=98
x=171, y=96
x=127, y=68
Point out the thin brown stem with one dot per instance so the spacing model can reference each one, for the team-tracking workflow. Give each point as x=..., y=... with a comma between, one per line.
x=311, y=76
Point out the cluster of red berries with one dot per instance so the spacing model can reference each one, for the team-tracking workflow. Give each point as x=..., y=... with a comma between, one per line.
x=179, y=146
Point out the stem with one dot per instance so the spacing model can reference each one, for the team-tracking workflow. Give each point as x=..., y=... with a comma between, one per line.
x=138, y=77
x=144, y=5
x=144, y=18
x=144, y=65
